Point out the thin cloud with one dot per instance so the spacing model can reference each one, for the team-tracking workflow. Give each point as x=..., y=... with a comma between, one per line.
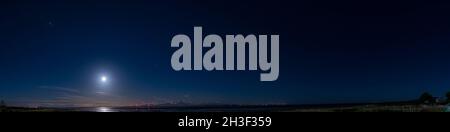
x=60, y=89
x=72, y=97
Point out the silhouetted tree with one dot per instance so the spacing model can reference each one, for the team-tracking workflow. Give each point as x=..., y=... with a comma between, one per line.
x=448, y=97
x=426, y=98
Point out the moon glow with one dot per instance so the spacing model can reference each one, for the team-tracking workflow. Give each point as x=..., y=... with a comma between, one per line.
x=103, y=79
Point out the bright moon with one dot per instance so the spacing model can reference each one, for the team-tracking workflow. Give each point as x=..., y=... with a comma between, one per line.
x=104, y=79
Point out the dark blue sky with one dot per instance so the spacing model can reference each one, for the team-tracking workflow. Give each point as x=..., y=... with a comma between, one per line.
x=52, y=52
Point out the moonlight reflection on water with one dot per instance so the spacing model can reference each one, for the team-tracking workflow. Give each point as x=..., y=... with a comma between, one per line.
x=104, y=109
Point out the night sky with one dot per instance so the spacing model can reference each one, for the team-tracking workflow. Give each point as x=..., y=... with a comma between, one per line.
x=52, y=53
